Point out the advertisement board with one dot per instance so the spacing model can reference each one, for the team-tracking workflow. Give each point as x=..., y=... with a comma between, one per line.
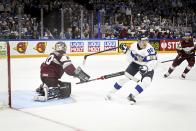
x=38, y=48
x=74, y=47
x=168, y=45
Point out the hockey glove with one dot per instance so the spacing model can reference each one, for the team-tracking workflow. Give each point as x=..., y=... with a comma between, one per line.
x=149, y=58
x=123, y=47
x=187, y=50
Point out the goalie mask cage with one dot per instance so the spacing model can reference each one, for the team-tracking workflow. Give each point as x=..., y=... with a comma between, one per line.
x=5, y=76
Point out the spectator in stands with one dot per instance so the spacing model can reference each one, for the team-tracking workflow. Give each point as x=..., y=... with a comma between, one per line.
x=154, y=15
x=68, y=33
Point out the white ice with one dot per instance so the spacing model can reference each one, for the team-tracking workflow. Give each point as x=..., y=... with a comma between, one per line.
x=167, y=105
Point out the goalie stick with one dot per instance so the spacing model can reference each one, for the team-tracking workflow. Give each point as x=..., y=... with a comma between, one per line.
x=111, y=76
x=85, y=57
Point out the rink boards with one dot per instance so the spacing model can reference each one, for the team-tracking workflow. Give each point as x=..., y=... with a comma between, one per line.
x=40, y=48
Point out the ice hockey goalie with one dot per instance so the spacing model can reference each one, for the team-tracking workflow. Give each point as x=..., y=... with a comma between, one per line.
x=52, y=69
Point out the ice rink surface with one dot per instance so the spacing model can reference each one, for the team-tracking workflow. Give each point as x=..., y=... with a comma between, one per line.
x=167, y=105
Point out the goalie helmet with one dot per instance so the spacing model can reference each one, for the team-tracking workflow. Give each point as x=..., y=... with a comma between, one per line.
x=60, y=46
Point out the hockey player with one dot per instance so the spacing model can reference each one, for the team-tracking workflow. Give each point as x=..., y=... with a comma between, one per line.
x=143, y=59
x=186, y=51
x=52, y=70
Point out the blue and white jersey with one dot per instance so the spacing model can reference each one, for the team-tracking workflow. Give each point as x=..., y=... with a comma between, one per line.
x=146, y=56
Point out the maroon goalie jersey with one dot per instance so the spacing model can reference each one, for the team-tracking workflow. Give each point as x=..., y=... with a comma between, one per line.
x=186, y=48
x=56, y=64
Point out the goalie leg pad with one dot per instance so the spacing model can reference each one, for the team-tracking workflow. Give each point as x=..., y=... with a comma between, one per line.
x=49, y=93
x=65, y=90
x=53, y=92
x=81, y=75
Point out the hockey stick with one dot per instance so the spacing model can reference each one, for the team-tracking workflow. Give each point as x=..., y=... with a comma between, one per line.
x=169, y=60
x=85, y=57
x=105, y=77
x=131, y=77
x=113, y=75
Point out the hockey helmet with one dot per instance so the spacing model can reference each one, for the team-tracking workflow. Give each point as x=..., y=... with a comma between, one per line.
x=60, y=46
x=187, y=36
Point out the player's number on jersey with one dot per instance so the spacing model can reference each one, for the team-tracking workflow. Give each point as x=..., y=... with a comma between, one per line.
x=49, y=59
x=151, y=51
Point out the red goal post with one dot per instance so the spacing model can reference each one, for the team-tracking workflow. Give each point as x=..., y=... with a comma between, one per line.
x=5, y=75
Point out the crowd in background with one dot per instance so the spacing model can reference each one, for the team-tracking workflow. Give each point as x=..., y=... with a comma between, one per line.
x=122, y=19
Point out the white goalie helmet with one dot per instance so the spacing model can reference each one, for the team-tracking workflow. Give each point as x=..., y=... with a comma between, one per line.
x=60, y=46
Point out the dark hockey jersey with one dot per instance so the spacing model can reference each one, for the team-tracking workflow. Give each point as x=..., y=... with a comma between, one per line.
x=186, y=48
x=56, y=64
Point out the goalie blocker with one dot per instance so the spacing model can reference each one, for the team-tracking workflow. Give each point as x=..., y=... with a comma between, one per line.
x=79, y=73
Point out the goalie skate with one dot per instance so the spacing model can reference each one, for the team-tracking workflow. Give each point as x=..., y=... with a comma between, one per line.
x=44, y=97
x=40, y=90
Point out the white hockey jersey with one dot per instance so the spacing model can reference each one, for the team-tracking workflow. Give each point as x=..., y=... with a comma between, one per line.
x=146, y=56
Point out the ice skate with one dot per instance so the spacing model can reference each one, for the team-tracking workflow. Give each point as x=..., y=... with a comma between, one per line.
x=166, y=75
x=40, y=90
x=110, y=93
x=108, y=97
x=131, y=99
x=183, y=76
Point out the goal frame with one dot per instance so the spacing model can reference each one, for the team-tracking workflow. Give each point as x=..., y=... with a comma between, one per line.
x=8, y=57
x=9, y=74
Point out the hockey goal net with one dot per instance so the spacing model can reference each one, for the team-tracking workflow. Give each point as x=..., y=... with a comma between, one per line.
x=5, y=78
